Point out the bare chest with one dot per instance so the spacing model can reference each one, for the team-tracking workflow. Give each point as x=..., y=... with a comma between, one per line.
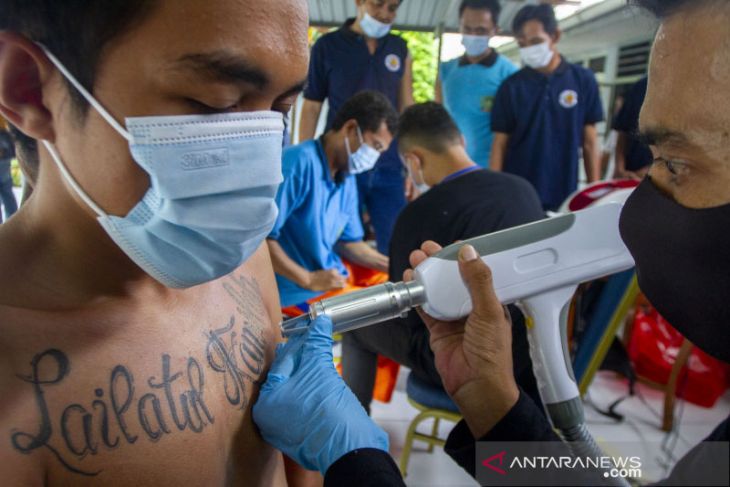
x=166, y=401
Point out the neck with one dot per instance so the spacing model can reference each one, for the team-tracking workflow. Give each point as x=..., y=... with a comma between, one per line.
x=478, y=59
x=454, y=160
x=61, y=257
x=356, y=27
x=332, y=143
x=553, y=65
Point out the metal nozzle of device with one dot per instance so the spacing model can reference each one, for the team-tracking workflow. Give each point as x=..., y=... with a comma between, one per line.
x=361, y=308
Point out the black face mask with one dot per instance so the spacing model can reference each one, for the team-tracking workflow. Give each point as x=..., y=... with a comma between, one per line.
x=683, y=264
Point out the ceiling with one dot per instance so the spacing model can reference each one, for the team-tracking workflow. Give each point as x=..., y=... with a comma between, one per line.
x=425, y=15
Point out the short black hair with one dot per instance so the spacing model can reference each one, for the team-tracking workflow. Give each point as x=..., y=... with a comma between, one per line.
x=370, y=109
x=493, y=6
x=428, y=125
x=666, y=8
x=76, y=31
x=543, y=13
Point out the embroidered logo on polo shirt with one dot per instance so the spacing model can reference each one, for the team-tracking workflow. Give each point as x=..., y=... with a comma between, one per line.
x=487, y=103
x=392, y=62
x=569, y=98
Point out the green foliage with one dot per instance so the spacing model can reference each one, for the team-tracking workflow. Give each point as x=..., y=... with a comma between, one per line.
x=424, y=49
x=15, y=172
x=315, y=33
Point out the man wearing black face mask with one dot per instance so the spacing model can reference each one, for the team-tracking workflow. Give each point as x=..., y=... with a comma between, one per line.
x=675, y=225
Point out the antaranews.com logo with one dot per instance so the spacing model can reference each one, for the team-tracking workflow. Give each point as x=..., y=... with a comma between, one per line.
x=612, y=467
x=552, y=464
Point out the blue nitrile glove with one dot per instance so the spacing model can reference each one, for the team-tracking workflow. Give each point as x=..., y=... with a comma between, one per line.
x=306, y=410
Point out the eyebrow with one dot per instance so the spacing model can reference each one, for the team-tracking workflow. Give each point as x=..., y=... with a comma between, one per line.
x=295, y=90
x=225, y=67
x=661, y=135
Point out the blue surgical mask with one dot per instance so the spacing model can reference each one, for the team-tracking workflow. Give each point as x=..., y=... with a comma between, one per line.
x=475, y=45
x=363, y=159
x=374, y=28
x=211, y=201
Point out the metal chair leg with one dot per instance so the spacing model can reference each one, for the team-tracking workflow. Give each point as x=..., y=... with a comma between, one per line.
x=434, y=432
x=410, y=437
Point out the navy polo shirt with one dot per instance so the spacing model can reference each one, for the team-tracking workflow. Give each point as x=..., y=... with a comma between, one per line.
x=545, y=116
x=341, y=66
x=316, y=212
x=638, y=155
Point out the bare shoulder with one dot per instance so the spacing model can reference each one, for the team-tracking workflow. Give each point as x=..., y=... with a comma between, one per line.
x=259, y=270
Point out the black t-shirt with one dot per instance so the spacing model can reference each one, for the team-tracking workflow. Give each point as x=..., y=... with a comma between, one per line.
x=7, y=149
x=476, y=203
x=473, y=204
x=638, y=155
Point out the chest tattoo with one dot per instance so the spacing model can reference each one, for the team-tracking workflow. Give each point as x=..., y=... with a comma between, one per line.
x=127, y=408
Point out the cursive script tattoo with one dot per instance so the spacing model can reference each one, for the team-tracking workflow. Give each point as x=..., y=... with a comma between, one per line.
x=125, y=410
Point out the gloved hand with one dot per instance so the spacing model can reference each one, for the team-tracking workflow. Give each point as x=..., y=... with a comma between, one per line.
x=306, y=410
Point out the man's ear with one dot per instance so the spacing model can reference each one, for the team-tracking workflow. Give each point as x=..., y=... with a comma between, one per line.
x=349, y=129
x=350, y=125
x=24, y=71
x=556, y=37
x=462, y=140
x=418, y=157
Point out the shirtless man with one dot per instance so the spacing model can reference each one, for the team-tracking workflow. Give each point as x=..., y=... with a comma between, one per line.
x=107, y=375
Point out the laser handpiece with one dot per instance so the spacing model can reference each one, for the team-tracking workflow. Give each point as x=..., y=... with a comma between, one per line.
x=362, y=308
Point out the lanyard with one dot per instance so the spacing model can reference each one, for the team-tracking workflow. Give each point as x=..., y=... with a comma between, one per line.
x=460, y=173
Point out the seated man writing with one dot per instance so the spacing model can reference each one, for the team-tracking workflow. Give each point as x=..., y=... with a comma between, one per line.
x=464, y=201
x=319, y=220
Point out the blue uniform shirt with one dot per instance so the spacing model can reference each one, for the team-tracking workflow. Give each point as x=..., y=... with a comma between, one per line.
x=315, y=213
x=545, y=118
x=469, y=91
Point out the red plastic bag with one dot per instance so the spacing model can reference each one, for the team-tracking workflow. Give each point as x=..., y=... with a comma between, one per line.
x=653, y=348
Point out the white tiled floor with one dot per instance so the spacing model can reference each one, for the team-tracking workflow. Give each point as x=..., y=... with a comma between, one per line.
x=642, y=425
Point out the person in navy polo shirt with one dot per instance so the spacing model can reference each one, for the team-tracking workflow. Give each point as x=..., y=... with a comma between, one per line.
x=633, y=156
x=364, y=55
x=319, y=220
x=545, y=113
x=467, y=85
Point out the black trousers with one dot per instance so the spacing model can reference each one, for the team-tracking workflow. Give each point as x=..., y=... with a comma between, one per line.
x=408, y=344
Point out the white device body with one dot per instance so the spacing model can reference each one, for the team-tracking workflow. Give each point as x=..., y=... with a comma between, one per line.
x=538, y=266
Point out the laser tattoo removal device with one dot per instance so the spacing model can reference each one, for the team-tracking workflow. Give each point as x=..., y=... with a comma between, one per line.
x=536, y=266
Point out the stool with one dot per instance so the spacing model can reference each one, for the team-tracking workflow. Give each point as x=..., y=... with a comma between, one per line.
x=433, y=403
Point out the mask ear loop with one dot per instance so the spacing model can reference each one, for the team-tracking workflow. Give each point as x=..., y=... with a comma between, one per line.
x=70, y=179
x=347, y=146
x=407, y=167
x=89, y=98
